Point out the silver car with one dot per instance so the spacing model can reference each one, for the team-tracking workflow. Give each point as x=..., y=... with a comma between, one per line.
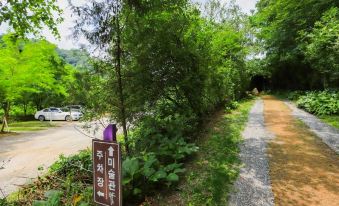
x=54, y=113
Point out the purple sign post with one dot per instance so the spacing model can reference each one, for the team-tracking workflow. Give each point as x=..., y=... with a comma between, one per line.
x=107, y=169
x=110, y=133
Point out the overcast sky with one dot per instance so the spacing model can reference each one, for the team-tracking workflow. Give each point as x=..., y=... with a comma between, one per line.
x=65, y=28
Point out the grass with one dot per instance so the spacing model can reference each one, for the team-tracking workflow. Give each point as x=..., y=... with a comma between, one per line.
x=210, y=175
x=332, y=120
x=30, y=126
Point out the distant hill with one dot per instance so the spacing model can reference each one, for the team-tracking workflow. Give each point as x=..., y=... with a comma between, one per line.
x=76, y=57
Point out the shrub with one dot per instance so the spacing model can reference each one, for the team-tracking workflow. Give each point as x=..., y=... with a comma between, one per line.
x=320, y=102
x=293, y=96
x=160, y=145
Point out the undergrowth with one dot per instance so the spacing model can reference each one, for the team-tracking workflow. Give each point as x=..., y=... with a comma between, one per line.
x=320, y=102
x=210, y=175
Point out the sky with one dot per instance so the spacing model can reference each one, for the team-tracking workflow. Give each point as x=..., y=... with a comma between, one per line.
x=66, y=42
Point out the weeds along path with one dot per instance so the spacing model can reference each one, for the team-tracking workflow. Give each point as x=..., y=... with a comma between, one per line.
x=211, y=172
x=303, y=170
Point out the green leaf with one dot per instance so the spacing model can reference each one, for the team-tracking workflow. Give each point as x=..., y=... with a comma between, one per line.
x=136, y=191
x=159, y=175
x=179, y=170
x=172, y=177
x=130, y=166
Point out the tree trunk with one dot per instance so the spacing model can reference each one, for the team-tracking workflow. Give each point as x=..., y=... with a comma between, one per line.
x=6, y=108
x=3, y=124
x=120, y=87
x=25, y=109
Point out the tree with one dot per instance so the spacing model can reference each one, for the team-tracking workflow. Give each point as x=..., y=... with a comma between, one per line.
x=29, y=16
x=31, y=71
x=321, y=47
x=279, y=25
x=105, y=18
x=76, y=57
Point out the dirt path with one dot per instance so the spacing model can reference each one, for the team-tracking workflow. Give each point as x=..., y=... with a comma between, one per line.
x=303, y=170
x=27, y=152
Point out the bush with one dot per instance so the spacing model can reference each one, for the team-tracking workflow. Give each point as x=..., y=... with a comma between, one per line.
x=160, y=145
x=320, y=102
x=68, y=182
x=293, y=96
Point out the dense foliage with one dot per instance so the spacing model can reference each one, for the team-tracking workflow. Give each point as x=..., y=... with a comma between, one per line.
x=320, y=102
x=300, y=42
x=30, y=16
x=321, y=47
x=32, y=75
x=209, y=179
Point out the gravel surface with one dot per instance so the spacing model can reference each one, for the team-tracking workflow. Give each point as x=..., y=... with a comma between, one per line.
x=253, y=187
x=328, y=134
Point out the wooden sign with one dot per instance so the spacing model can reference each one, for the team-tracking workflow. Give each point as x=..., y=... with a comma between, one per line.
x=106, y=173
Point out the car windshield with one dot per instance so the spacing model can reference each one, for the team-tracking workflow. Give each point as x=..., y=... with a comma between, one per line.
x=65, y=109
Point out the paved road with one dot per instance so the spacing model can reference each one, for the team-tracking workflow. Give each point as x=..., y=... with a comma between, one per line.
x=27, y=152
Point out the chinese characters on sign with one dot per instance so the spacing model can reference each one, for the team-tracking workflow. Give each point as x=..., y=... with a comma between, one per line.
x=107, y=173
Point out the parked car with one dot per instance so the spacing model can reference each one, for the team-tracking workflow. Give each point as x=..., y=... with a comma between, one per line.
x=55, y=113
x=77, y=108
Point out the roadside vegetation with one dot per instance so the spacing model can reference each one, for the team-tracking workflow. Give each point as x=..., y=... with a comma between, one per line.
x=162, y=67
x=69, y=180
x=30, y=126
x=301, y=53
x=210, y=174
x=323, y=104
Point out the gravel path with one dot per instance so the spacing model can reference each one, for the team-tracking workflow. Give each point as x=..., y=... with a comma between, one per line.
x=253, y=187
x=328, y=134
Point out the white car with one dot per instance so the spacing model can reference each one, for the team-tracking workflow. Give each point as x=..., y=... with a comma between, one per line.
x=57, y=114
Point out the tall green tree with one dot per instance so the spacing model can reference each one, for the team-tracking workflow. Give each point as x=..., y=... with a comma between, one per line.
x=30, y=70
x=105, y=31
x=321, y=47
x=30, y=16
x=279, y=24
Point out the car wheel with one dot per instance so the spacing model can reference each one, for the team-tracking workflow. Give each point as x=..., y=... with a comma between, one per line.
x=68, y=118
x=41, y=118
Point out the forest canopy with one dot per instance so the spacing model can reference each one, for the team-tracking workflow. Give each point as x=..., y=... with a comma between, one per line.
x=300, y=40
